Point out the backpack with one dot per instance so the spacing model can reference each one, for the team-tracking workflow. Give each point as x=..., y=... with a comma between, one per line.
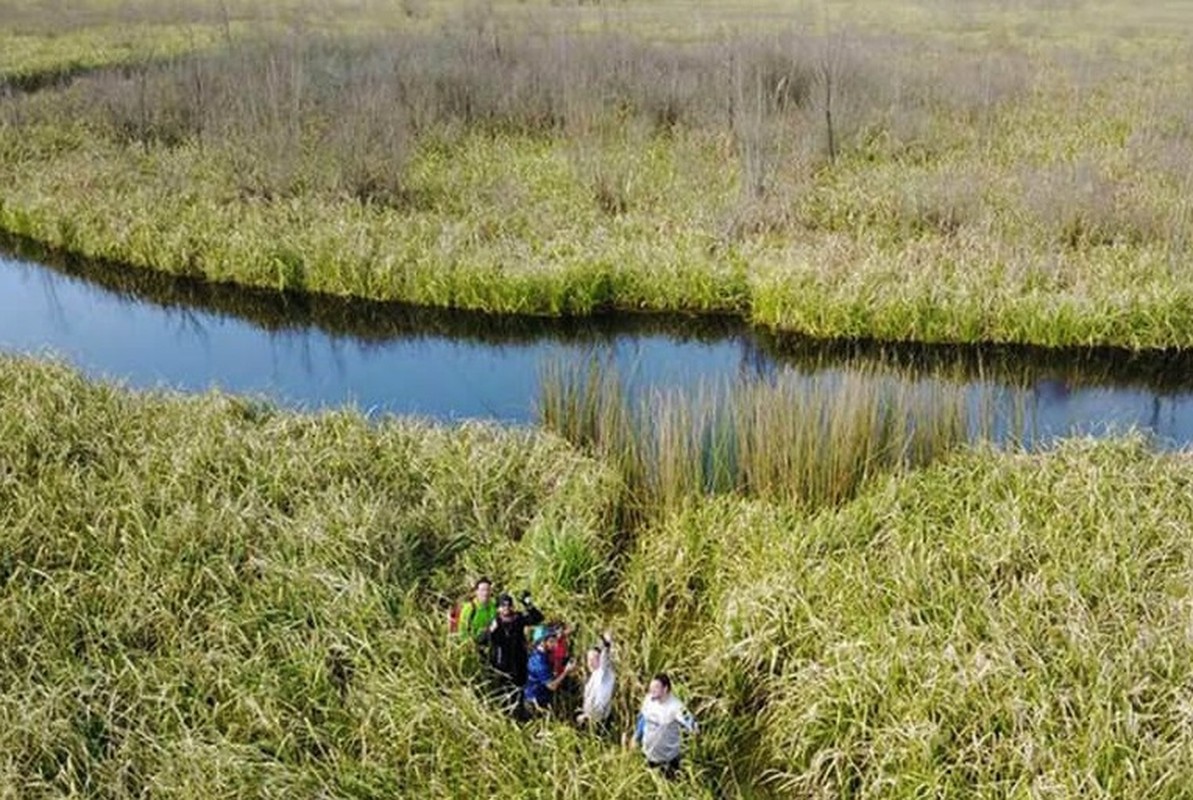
x=558, y=655
x=453, y=617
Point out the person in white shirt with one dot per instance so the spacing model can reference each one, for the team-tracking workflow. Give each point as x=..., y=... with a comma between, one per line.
x=598, y=689
x=660, y=722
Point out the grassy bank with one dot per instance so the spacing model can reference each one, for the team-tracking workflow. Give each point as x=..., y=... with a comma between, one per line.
x=205, y=597
x=927, y=172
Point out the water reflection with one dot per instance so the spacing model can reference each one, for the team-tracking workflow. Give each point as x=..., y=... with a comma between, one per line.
x=316, y=351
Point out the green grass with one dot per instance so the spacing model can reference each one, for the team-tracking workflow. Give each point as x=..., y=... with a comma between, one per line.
x=179, y=576
x=207, y=597
x=996, y=625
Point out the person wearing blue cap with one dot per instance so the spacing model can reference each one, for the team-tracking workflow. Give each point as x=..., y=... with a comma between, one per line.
x=540, y=682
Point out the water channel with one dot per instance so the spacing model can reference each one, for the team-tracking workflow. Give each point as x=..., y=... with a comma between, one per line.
x=151, y=330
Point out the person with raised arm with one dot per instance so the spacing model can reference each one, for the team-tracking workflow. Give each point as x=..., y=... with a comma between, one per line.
x=598, y=689
x=506, y=638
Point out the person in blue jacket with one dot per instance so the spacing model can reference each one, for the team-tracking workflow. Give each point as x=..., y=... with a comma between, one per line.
x=541, y=682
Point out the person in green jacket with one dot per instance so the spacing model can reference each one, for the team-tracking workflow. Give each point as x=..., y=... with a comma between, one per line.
x=478, y=613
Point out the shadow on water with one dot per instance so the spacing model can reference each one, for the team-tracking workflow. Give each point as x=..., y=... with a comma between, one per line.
x=362, y=320
x=1163, y=372
x=324, y=350
x=1160, y=371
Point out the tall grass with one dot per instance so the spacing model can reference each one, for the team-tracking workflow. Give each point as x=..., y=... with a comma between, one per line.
x=995, y=624
x=206, y=597
x=812, y=442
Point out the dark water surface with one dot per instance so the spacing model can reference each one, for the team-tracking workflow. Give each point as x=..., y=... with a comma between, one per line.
x=150, y=330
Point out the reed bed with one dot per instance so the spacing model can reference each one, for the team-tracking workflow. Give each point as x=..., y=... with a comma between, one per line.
x=809, y=441
x=208, y=597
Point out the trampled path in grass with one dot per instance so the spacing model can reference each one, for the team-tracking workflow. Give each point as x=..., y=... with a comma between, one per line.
x=922, y=174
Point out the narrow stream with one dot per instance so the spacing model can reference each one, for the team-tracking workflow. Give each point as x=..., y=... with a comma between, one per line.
x=150, y=330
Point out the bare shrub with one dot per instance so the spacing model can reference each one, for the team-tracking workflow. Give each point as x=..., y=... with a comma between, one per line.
x=1163, y=148
x=415, y=9
x=345, y=114
x=609, y=176
x=1164, y=144
x=371, y=152
x=768, y=85
x=761, y=216
x=146, y=104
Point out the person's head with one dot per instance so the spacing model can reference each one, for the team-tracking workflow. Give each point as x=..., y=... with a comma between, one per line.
x=484, y=590
x=593, y=659
x=544, y=637
x=660, y=686
x=505, y=607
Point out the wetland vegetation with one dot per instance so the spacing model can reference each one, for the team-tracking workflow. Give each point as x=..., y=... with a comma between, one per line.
x=208, y=596
x=1002, y=172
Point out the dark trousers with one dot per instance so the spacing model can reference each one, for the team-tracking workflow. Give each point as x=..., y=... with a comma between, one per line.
x=670, y=769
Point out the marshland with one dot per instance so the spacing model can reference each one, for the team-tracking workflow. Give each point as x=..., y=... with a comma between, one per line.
x=863, y=583
x=1012, y=172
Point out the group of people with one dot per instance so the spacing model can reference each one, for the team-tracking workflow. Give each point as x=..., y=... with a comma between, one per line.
x=533, y=669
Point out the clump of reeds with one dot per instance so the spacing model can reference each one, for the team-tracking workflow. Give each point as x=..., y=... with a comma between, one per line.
x=812, y=441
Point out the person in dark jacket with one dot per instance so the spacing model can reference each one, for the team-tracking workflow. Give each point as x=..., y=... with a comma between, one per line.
x=506, y=638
